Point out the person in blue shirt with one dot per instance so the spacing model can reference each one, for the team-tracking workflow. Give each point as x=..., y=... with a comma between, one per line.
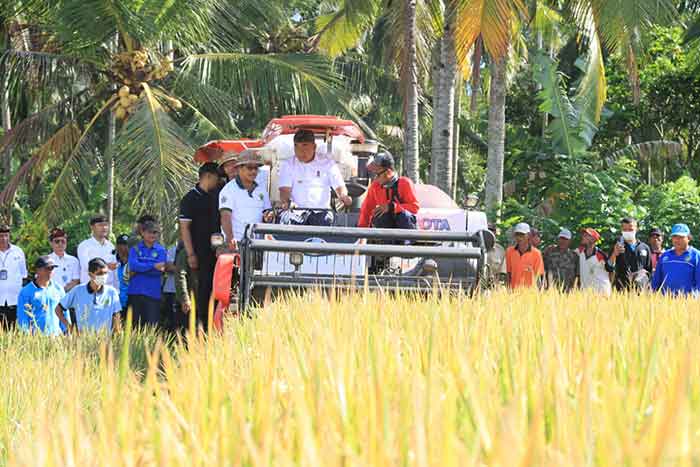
x=123, y=271
x=146, y=265
x=678, y=269
x=96, y=304
x=38, y=299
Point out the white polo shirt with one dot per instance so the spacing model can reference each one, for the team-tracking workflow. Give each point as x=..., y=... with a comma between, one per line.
x=246, y=207
x=592, y=272
x=13, y=268
x=68, y=269
x=90, y=249
x=311, y=182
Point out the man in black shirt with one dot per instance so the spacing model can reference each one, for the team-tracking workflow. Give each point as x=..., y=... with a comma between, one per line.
x=199, y=219
x=630, y=258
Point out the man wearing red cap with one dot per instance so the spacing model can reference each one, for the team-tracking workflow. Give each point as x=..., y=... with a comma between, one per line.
x=593, y=264
x=67, y=273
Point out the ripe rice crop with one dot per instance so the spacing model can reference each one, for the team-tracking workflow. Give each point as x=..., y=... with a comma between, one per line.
x=506, y=379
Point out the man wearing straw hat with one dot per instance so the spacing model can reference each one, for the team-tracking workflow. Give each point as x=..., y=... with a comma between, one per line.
x=242, y=201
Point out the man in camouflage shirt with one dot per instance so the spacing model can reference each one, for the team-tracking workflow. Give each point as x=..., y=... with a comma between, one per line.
x=561, y=264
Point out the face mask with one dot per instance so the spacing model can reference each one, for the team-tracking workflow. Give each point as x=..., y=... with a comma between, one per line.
x=629, y=237
x=100, y=280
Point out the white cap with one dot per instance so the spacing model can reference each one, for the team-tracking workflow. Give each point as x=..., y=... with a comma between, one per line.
x=521, y=228
x=565, y=233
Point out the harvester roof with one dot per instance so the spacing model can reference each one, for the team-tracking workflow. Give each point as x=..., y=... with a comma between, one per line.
x=319, y=124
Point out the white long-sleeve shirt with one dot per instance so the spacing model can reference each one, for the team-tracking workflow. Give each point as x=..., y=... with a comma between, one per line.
x=90, y=249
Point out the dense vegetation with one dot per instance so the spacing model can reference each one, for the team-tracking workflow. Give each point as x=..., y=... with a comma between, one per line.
x=600, y=99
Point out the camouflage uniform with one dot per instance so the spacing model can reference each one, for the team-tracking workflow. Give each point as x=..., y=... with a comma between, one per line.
x=561, y=268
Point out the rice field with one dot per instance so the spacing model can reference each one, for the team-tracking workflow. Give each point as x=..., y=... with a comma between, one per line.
x=499, y=380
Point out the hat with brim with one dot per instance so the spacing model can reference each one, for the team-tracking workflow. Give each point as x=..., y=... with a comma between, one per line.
x=249, y=157
x=44, y=262
x=381, y=162
x=4, y=228
x=521, y=228
x=229, y=156
x=680, y=230
x=656, y=231
x=566, y=234
x=593, y=233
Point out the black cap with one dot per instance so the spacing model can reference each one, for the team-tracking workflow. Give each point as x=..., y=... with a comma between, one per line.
x=44, y=262
x=381, y=161
x=304, y=136
x=98, y=219
x=656, y=231
x=4, y=228
x=123, y=239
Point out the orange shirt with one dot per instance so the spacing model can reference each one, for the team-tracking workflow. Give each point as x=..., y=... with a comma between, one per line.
x=524, y=269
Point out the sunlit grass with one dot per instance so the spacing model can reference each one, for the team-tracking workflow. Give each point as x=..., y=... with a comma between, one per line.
x=508, y=379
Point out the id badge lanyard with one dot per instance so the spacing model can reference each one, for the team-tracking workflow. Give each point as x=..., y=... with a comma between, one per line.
x=3, y=269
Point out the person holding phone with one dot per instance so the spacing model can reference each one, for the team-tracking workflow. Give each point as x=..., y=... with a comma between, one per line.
x=630, y=259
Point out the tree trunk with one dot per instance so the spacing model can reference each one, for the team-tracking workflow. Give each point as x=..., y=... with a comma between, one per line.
x=6, y=126
x=497, y=136
x=111, y=134
x=444, y=116
x=476, y=75
x=437, y=72
x=411, y=104
x=455, y=139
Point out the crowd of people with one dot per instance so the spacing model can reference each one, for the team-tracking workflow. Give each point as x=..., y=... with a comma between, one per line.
x=163, y=286
x=630, y=265
x=94, y=290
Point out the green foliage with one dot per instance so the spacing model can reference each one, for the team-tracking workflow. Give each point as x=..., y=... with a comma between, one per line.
x=671, y=203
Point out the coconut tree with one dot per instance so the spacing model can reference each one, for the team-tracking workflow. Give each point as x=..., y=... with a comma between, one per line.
x=396, y=34
x=165, y=100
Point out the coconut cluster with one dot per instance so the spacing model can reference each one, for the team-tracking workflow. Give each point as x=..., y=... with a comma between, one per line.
x=132, y=69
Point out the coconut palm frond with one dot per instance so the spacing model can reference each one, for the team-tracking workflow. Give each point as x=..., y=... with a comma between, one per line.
x=649, y=150
x=342, y=29
x=490, y=19
x=56, y=147
x=40, y=70
x=152, y=147
x=66, y=197
x=270, y=84
x=36, y=128
x=592, y=89
x=209, y=101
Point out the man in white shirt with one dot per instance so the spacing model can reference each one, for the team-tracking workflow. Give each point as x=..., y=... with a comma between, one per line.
x=67, y=272
x=242, y=201
x=97, y=246
x=13, y=269
x=307, y=180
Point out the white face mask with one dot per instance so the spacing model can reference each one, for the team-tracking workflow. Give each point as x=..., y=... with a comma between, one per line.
x=629, y=237
x=100, y=280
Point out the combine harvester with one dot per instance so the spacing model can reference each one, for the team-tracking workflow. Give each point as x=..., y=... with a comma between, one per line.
x=448, y=251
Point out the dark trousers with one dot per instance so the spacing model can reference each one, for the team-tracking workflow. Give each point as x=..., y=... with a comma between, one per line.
x=389, y=220
x=204, y=289
x=167, y=308
x=146, y=310
x=8, y=317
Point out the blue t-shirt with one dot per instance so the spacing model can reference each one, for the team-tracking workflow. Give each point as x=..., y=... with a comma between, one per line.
x=144, y=278
x=36, y=308
x=678, y=274
x=93, y=311
x=122, y=269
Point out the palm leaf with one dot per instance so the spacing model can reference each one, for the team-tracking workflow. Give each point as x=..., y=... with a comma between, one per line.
x=490, y=19
x=56, y=147
x=65, y=196
x=270, y=84
x=650, y=150
x=154, y=157
x=592, y=90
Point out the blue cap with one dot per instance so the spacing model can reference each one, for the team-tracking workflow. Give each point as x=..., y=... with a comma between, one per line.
x=680, y=230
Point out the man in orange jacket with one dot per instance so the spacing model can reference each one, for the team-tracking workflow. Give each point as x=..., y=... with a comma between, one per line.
x=391, y=200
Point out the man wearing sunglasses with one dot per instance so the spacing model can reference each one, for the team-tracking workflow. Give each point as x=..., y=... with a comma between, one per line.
x=391, y=201
x=242, y=201
x=67, y=274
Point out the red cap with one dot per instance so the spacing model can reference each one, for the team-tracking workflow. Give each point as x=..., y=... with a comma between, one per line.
x=56, y=233
x=593, y=233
